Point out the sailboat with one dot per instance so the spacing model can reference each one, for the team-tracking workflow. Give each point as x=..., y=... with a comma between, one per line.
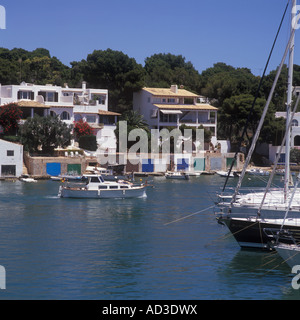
x=247, y=215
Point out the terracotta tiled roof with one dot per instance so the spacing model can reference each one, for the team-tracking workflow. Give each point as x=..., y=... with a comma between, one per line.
x=31, y=104
x=168, y=92
x=108, y=113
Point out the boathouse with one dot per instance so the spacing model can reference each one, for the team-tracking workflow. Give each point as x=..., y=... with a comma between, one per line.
x=11, y=159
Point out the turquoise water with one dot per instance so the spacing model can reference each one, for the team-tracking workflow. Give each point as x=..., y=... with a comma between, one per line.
x=152, y=248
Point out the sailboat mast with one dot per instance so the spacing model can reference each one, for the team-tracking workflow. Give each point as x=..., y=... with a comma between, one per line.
x=289, y=102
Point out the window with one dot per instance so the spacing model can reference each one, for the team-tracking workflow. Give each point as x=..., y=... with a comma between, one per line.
x=29, y=95
x=77, y=117
x=294, y=123
x=65, y=116
x=91, y=118
x=49, y=96
x=171, y=100
x=10, y=153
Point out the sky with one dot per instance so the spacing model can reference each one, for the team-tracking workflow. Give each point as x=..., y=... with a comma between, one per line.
x=239, y=33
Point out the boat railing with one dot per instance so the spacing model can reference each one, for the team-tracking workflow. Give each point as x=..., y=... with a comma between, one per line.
x=279, y=235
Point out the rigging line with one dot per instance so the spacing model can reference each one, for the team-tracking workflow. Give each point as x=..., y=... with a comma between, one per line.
x=229, y=235
x=256, y=96
x=284, y=261
x=262, y=119
x=190, y=215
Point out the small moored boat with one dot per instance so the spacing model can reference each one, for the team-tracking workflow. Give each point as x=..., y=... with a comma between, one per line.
x=225, y=174
x=95, y=187
x=176, y=175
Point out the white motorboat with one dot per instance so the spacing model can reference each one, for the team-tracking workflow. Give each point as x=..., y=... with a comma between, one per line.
x=66, y=177
x=27, y=179
x=176, y=175
x=95, y=187
x=258, y=172
x=225, y=174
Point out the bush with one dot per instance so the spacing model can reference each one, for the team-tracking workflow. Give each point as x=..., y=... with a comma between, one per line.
x=295, y=155
x=88, y=142
x=10, y=114
x=82, y=128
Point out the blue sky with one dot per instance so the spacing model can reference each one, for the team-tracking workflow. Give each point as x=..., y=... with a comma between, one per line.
x=237, y=32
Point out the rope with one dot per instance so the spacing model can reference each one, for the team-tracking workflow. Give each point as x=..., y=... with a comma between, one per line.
x=232, y=234
x=190, y=215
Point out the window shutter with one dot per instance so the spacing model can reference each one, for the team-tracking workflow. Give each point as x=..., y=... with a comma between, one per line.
x=56, y=97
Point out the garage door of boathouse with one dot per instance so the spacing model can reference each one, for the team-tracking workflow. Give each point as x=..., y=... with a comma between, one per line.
x=215, y=163
x=199, y=164
x=74, y=169
x=53, y=169
x=147, y=165
x=182, y=164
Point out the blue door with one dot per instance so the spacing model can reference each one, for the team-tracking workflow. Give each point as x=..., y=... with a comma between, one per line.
x=147, y=165
x=53, y=169
x=182, y=164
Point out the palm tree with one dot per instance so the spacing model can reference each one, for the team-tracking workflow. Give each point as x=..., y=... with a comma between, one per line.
x=134, y=121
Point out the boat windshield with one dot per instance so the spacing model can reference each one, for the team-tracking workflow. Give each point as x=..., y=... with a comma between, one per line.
x=84, y=179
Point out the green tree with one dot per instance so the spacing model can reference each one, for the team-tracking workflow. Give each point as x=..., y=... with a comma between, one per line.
x=35, y=66
x=44, y=134
x=163, y=70
x=222, y=82
x=115, y=71
x=234, y=114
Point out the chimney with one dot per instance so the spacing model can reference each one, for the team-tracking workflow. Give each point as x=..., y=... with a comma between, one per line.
x=83, y=85
x=174, y=88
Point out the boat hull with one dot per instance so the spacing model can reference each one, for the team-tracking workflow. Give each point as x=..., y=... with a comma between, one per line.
x=102, y=194
x=177, y=177
x=250, y=233
x=289, y=253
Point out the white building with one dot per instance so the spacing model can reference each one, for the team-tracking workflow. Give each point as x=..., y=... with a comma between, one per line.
x=11, y=159
x=173, y=107
x=70, y=104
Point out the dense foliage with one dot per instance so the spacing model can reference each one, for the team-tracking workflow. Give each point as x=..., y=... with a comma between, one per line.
x=10, y=114
x=88, y=142
x=82, y=128
x=44, y=134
